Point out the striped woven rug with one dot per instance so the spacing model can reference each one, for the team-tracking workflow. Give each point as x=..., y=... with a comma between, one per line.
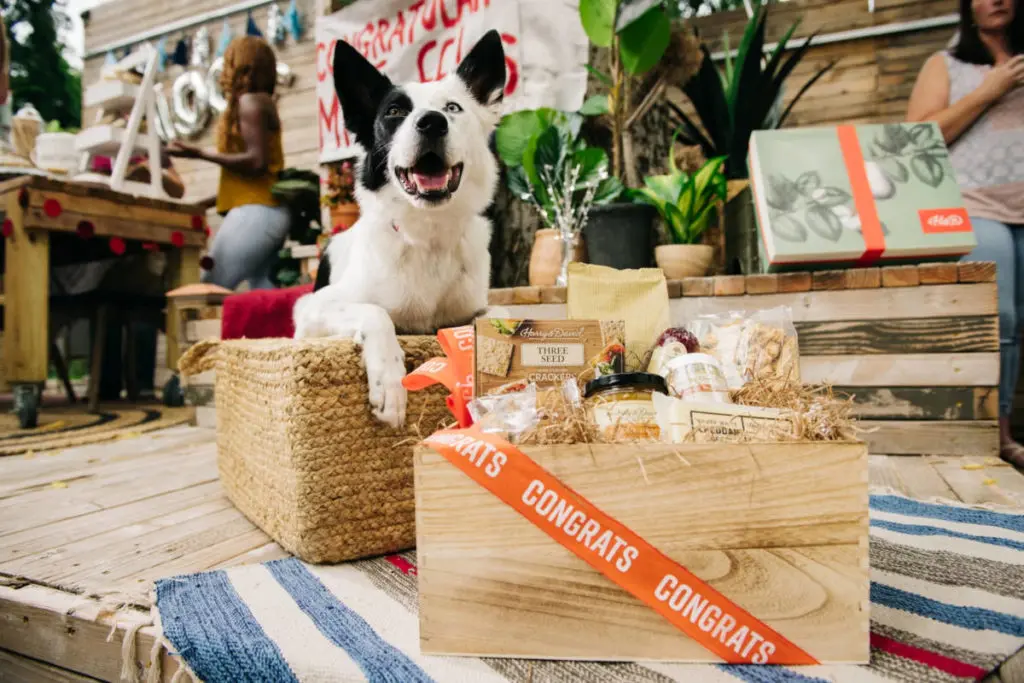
x=947, y=600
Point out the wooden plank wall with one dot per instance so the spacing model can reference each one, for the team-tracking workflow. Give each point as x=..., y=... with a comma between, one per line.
x=873, y=77
x=871, y=81
x=297, y=104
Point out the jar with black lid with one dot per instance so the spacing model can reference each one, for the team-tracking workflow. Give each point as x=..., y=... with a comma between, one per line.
x=621, y=406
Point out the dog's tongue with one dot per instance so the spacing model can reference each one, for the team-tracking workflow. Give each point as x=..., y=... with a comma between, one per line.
x=431, y=182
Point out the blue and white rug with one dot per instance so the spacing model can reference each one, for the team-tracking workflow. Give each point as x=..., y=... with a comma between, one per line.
x=947, y=601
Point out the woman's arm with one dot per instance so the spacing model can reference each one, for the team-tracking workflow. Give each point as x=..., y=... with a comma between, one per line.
x=929, y=100
x=255, y=116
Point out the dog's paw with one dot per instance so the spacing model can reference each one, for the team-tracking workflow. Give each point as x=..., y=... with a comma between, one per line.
x=385, y=368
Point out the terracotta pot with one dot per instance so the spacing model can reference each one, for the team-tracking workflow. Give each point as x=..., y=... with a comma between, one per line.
x=684, y=260
x=344, y=216
x=546, y=257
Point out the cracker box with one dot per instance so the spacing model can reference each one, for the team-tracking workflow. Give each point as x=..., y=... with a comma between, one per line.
x=509, y=354
x=856, y=195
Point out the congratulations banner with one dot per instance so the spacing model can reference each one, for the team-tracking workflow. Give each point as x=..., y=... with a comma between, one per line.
x=425, y=40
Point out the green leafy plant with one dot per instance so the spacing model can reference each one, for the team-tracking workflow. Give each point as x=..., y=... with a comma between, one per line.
x=39, y=73
x=299, y=190
x=744, y=96
x=549, y=166
x=55, y=127
x=686, y=202
x=637, y=33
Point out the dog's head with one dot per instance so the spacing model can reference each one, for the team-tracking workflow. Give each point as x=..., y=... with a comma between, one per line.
x=426, y=142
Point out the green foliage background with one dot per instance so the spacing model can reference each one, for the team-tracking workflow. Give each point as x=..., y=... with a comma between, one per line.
x=39, y=72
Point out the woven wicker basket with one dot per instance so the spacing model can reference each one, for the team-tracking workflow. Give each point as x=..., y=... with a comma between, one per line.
x=299, y=452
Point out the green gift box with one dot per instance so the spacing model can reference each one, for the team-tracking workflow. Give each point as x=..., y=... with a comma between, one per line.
x=855, y=196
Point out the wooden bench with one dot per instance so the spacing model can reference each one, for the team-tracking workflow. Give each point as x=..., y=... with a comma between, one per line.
x=917, y=346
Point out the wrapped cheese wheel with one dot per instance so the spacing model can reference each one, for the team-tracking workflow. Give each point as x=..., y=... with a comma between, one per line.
x=673, y=342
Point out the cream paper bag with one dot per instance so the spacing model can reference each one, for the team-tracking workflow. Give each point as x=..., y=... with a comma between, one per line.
x=639, y=297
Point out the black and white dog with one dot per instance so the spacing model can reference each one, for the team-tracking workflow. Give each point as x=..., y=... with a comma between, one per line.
x=417, y=260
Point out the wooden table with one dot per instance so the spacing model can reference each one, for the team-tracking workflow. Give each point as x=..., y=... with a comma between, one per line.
x=37, y=207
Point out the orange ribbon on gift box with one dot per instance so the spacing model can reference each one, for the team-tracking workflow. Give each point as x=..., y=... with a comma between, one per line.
x=692, y=605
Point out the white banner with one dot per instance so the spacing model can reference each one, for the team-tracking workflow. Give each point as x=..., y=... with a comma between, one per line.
x=424, y=40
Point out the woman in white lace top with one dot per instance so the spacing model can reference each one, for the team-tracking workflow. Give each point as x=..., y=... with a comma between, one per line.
x=975, y=92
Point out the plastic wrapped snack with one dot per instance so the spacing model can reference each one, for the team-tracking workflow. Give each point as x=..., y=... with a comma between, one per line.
x=760, y=345
x=510, y=414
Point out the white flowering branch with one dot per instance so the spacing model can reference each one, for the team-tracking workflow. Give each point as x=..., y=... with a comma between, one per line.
x=565, y=213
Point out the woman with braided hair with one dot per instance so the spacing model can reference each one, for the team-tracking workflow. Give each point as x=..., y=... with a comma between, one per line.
x=250, y=156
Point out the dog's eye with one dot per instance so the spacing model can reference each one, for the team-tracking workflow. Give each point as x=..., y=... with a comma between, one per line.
x=393, y=111
x=452, y=108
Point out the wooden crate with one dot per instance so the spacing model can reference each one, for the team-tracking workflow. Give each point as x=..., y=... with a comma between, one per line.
x=916, y=346
x=780, y=529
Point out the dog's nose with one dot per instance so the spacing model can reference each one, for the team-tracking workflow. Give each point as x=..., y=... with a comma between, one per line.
x=433, y=124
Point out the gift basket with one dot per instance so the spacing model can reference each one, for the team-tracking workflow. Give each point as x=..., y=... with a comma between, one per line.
x=299, y=451
x=615, y=474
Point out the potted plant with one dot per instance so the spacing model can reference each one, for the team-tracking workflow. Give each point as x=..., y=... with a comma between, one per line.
x=729, y=104
x=339, y=195
x=746, y=95
x=636, y=34
x=299, y=191
x=551, y=168
x=687, y=203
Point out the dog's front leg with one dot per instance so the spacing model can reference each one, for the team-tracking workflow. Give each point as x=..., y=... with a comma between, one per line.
x=370, y=326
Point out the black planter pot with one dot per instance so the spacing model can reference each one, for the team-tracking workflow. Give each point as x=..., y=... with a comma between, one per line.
x=621, y=235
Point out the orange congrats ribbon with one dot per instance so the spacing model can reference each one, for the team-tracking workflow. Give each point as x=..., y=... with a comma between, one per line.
x=697, y=609
x=863, y=199
x=454, y=372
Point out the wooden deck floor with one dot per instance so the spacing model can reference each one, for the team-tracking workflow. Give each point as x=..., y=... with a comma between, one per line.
x=86, y=530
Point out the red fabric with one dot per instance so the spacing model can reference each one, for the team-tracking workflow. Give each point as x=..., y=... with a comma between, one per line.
x=261, y=314
x=935, y=660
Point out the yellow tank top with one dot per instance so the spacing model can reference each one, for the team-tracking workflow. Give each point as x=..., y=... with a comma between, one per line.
x=239, y=190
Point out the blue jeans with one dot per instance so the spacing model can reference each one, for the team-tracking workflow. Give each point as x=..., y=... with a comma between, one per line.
x=246, y=245
x=1004, y=244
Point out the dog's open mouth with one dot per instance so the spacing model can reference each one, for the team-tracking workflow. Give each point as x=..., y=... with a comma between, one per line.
x=430, y=178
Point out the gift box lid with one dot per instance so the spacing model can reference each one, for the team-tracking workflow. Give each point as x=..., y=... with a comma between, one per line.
x=856, y=194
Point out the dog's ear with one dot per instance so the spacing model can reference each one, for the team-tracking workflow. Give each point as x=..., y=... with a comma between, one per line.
x=360, y=88
x=483, y=69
